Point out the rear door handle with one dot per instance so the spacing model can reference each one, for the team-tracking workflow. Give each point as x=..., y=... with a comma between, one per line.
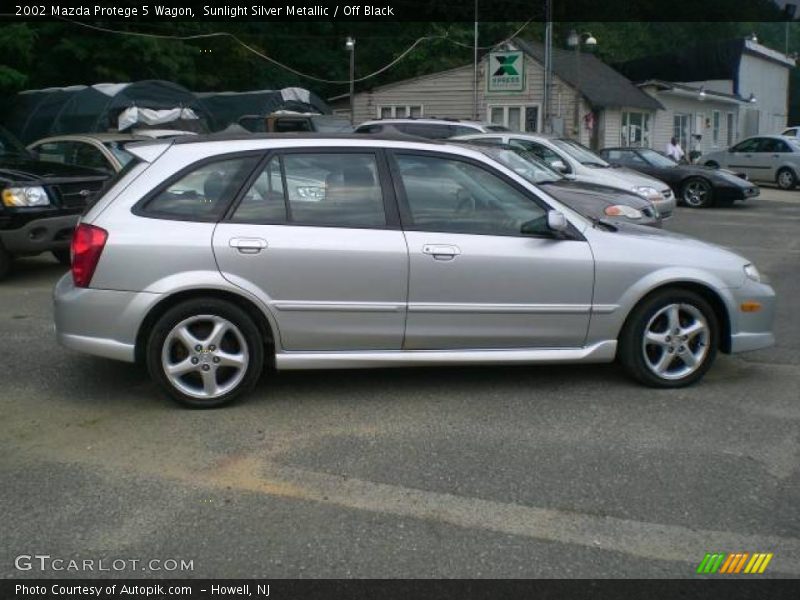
x=248, y=245
x=441, y=251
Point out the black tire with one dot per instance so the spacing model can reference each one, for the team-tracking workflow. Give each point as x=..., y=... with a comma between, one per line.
x=248, y=339
x=5, y=263
x=697, y=192
x=786, y=179
x=712, y=164
x=62, y=256
x=636, y=358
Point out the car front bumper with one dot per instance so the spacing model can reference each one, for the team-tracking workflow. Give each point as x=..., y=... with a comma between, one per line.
x=752, y=330
x=100, y=322
x=733, y=193
x=666, y=206
x=40, y=235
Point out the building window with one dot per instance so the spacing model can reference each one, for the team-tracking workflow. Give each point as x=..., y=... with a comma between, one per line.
x=715, y=125
x=731, y=129
x=517, y=117
x=635, y=129
x=400, y=111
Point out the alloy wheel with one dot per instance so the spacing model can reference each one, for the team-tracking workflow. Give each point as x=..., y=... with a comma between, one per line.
x=675, y=341
x=205, y=356
x=696, y=193
x=786, y=179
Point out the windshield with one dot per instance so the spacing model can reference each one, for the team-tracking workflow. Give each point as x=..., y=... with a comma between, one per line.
x=522, y=163
x=325, y=124
x=119, y=152
x=580, y=153
x=11, y=146
x=656, y=159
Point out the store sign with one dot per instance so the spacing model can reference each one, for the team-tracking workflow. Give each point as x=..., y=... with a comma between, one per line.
x=506, y=72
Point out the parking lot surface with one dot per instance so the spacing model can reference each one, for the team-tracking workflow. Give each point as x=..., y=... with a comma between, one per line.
x=569, y=471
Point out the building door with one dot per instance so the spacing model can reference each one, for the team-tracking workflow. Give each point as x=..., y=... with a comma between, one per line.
x=680, y=131
x=731, y=128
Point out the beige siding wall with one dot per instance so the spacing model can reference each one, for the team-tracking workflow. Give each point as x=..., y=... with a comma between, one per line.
x=450, y=94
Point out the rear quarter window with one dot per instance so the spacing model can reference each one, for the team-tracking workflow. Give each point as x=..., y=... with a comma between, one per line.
x=203, y=193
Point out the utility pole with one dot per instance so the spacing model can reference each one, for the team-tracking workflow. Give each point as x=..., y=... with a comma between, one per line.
x=548, y=67
x=475, y=64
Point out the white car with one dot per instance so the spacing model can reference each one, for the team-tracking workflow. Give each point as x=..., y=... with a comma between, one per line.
x=433, y=129
x=792, y=132
x=581, y=164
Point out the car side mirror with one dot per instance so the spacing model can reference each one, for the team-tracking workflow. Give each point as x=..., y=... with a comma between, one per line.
x=556, y=221
x=559, y=166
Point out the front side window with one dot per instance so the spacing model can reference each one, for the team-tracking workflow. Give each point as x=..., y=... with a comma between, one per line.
x=87, y=155
x=750, y=145
x=204, y=192
x=543, y=153
x=450, y=195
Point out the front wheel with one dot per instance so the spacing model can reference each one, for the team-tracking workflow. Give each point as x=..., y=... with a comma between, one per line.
x=670, y=339
x=205, y=353
x=786, y=179
x=697, y=193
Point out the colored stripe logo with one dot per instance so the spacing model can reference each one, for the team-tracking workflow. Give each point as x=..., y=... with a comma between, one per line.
x=734, y=563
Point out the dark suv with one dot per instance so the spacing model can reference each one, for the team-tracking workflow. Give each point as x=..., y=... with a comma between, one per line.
x=40, y=202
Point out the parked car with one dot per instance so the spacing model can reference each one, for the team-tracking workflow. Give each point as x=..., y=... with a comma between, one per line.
x=792, y=132
x=434, y=129
x=103, y=151
x=575, y=160
x=162, y=133
x=766, y=158
x=292, y=122
x=199, y=264
x=40, y=202
x=595, y=202
x=694, y=185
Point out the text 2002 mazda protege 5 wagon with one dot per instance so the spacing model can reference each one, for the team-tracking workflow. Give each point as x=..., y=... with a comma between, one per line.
x=210, y=257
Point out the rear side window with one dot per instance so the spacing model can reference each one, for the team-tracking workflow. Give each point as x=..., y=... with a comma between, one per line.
x=343, y=190
x=432, y=131
x=204, y=192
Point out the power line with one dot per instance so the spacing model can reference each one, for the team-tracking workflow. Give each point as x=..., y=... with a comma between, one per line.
x=225, y=34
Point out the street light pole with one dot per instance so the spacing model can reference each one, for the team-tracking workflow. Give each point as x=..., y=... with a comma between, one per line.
x=350, y=44
x=575, y=40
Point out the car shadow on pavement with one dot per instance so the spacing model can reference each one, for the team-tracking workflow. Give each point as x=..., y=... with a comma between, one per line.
x=34, y=270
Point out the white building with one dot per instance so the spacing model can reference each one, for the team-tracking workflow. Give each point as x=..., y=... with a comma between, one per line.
x=715, y=93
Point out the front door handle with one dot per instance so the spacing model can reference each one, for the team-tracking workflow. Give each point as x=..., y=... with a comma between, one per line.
x=248, y=245
x=441, y=251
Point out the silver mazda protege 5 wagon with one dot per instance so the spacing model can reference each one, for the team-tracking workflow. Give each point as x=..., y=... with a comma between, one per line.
x=209, y=258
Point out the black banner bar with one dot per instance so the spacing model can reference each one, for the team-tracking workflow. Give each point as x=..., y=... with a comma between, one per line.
x=732, y=588
x=393, y=10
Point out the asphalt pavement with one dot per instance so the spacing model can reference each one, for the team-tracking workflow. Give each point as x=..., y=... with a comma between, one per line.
x=569, y=471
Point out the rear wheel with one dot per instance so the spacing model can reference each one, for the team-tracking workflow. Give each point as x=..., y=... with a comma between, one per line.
x=670, y=339
x=62, y=256
x=786, y=179
x=697, y=193
x=205, y=353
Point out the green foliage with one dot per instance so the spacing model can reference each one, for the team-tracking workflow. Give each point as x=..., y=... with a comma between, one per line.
x=34, y=54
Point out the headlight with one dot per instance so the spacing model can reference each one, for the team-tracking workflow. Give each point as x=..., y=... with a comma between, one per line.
x=311, y=192
x=621, y=210
x=645, y=191
x=25, y=196
x=752, y=273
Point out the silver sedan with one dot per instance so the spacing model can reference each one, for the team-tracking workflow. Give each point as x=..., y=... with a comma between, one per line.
x=766, y=158
x=205, y=264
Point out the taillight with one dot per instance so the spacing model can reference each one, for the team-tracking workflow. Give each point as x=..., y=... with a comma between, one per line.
x=87, y=245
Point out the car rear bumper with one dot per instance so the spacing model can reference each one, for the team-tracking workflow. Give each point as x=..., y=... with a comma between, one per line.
x=40, y=235
x=100, y=322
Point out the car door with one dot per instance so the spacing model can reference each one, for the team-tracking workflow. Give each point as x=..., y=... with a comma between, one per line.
x=475, y=280
x=743, y=157
x=312, y=237
x=772, y=153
